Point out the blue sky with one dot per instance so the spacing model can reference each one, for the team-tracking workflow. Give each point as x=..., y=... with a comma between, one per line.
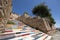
x=21, y=6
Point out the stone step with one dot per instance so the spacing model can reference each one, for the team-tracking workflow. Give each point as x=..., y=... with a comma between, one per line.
x=51, y=32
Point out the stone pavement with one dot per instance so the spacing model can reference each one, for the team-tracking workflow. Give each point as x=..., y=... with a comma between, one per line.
x=26, y=33
x=56, y=36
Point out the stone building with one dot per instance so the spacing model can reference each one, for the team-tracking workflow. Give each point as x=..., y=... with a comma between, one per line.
x=5, y=10
x=13, y=16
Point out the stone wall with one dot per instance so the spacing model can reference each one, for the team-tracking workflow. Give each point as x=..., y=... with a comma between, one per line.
x=34, y=22
x=5, y=10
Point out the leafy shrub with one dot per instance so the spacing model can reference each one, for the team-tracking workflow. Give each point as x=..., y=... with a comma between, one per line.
x=10, y=22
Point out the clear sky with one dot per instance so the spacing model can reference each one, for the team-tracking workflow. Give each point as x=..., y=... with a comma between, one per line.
x=21, y=6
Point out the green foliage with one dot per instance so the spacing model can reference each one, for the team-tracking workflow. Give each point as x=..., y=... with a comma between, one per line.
x=52, y=20
x=43, y=11
x=25, y=13
x=10, y=22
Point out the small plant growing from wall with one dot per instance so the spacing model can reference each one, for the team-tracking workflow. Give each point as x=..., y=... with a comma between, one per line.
x=10, y=22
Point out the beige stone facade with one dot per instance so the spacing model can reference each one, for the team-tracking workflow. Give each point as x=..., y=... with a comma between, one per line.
x=5, y=10
x=13, y=16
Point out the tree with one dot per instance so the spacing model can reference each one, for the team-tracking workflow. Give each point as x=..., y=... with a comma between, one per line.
x=26, y=13
x=43, y=11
